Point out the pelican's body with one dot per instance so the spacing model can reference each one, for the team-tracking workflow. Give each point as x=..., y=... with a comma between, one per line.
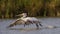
x=29, y=18
x=26, y=21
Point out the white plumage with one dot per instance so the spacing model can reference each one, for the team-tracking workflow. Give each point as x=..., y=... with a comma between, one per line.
x=26, y=20
x=30, y=18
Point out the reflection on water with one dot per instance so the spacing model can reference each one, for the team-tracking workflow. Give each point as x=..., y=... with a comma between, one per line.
x=50, y=26
x=33, y=29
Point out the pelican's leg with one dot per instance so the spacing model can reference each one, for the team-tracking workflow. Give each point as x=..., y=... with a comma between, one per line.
x=40, y=24
x=37, y=26
x=24, y=25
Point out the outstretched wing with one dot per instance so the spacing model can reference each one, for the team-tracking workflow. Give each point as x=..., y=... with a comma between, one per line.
x=17, y=22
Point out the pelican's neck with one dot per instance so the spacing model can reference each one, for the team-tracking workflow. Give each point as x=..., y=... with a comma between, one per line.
x=24, y=16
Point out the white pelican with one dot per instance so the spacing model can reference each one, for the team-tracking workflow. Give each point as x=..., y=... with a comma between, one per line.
x=26, y=20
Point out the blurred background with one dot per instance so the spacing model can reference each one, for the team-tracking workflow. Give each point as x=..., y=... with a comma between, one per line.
x=35, y=8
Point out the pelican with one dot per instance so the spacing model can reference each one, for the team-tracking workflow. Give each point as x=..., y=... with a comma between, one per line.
x=26, y=21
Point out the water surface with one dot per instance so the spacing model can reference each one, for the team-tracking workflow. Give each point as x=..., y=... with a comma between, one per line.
x=31, y=29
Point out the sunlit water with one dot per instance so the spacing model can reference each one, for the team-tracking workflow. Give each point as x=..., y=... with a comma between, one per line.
x=31, y=29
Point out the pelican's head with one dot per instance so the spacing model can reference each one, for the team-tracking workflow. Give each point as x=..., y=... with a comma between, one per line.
x=23, y=14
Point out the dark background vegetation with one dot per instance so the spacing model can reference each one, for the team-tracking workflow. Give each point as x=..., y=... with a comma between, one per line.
x=11, y=8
